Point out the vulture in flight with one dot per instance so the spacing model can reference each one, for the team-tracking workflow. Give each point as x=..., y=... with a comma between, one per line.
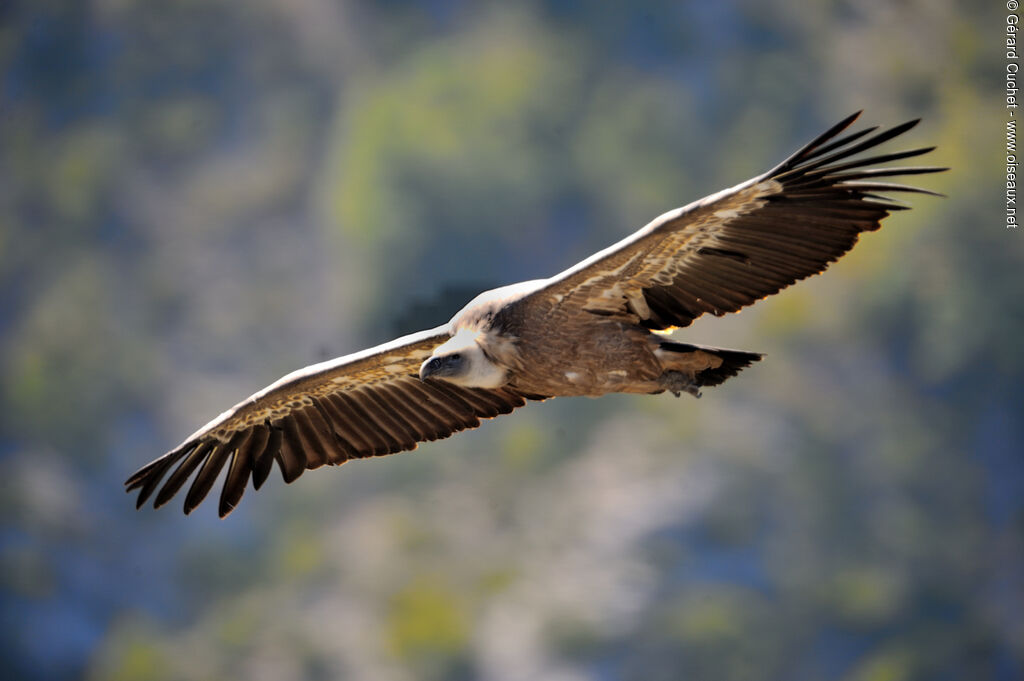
x=590, y=330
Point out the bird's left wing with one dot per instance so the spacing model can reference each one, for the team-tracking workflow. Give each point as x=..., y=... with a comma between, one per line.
x=735, y=247
x=369, y=403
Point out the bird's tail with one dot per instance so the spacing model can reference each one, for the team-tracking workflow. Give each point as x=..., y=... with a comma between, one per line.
x=733, y=361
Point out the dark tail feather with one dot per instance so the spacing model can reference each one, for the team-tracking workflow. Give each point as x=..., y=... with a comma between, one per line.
x=733, y=361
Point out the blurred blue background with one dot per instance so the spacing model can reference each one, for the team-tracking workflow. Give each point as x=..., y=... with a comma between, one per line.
x=197, y=197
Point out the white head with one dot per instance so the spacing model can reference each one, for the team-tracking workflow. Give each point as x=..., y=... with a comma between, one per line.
x=463, y=362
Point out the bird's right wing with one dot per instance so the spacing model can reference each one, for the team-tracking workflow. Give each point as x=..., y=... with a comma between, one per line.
x=370, y=403
x=737, y=246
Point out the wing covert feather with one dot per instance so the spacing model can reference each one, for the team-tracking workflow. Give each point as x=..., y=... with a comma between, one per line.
x=370, y=403
x=735, y=247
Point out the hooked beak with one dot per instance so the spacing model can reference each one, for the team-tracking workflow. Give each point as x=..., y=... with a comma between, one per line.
x=441, y=367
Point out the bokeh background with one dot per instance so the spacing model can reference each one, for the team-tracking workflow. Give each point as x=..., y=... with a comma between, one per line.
x=197, y=197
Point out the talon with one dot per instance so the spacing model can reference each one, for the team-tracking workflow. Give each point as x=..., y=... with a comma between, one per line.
x=678, y=383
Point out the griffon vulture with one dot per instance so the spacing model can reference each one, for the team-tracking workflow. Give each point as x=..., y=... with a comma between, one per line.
x=585, y=331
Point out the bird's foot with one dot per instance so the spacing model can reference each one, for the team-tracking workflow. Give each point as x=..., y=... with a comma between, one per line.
x=677, y=383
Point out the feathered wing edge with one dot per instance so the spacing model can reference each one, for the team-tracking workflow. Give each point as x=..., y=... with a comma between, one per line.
x=733, y=248
x=310, y=419
x=795, y=220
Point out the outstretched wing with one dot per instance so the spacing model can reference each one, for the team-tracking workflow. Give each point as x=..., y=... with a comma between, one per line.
x=370, y=403
x=742, y=244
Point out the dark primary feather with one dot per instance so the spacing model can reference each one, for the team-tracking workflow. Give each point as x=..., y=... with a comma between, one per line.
x=384, y=418
x=811, y=222
x=736, y=247
x=371, y=403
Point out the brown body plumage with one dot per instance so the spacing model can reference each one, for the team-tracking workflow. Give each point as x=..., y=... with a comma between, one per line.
x=586, y=331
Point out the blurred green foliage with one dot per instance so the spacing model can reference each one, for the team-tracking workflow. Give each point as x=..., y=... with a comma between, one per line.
x=425, y=625
x=197, y=197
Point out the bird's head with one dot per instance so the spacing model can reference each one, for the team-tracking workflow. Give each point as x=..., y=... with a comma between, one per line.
x=462, y=361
